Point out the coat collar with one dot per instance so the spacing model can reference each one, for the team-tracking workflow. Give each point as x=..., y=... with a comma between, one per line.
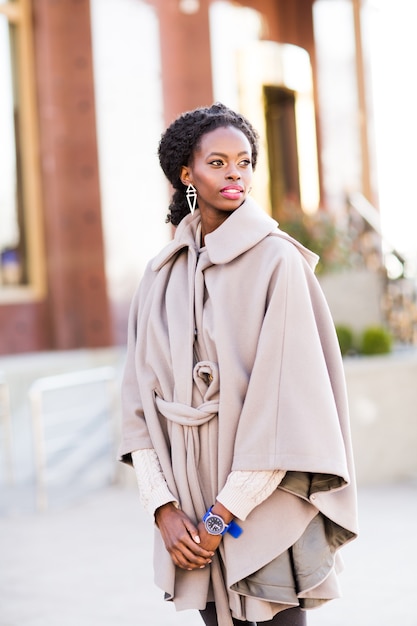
x=184, y=237
x=242, y=230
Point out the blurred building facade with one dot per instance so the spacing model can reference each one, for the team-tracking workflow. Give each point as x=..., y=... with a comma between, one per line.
x=91, y=85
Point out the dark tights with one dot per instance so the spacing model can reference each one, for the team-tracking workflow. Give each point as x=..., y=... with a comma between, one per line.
x=288, y=617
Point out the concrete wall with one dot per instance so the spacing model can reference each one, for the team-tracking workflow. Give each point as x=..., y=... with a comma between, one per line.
x=382, y=394
x=354, y=298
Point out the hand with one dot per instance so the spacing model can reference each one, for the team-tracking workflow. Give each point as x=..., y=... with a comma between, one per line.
x=208, y=541
x=212, y=542
x=182, y=539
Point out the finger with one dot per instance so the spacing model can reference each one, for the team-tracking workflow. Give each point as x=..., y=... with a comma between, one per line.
x=187, y=559
x=196, y=549
x=181, y=561
x=192, y=530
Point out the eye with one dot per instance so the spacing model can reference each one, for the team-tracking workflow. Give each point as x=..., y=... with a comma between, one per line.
x=245, y=162
x=216, y=162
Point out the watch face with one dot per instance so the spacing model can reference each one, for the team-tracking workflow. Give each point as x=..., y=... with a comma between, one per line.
x=214, y=525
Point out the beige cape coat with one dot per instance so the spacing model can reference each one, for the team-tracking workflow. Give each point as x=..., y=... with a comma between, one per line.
x=263, y=389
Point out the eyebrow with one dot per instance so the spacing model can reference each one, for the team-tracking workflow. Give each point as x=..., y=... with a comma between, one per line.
x=225, y=155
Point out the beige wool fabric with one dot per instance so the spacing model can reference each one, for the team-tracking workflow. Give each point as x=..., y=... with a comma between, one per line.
x=233, y=364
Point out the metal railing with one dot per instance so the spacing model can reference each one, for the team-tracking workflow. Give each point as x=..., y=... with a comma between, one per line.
x=37, y=392
x=7, y=431
x=399, y=298
x=371, y=216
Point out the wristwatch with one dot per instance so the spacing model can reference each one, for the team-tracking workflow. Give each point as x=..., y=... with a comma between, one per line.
x=215, y=525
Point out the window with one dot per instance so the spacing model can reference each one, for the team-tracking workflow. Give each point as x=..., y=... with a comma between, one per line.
x=21, y=251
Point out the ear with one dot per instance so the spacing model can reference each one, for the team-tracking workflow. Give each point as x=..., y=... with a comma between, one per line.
x=185, y=175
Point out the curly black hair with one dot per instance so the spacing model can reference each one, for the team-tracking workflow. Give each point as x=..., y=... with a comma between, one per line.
x=182, y=138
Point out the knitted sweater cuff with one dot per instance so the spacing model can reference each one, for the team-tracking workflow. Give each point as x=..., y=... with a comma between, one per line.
x=153, y=488
x=244, y=490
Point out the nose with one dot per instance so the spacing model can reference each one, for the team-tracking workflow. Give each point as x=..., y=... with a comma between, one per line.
x=233, y=173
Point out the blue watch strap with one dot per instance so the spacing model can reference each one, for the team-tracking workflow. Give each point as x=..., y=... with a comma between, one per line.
x=234, y=529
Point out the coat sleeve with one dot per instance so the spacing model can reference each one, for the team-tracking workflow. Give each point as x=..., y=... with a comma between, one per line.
x=295, y=407
x=134, y=431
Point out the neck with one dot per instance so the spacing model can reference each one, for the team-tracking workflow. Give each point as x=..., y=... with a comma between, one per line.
x=211, y=221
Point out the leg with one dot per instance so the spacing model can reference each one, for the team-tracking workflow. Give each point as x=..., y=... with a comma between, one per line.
x=209, y=616
x=288, y=617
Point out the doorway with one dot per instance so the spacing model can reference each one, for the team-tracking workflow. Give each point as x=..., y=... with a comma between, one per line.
x=281, y=136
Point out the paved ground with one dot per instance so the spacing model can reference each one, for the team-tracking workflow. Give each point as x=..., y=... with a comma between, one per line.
x=90, y=564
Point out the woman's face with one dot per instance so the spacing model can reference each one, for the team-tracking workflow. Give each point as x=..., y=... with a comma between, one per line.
x=221, y=171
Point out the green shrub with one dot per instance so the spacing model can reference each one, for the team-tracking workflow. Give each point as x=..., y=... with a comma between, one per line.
x=322, y=233
x=345, y=337
x=376, y=340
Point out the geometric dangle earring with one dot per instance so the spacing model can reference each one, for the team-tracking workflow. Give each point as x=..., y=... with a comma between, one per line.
x=191, y=195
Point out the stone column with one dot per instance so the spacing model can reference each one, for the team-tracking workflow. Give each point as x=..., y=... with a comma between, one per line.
x=77, y=297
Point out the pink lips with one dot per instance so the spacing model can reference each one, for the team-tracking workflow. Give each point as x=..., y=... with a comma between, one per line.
x=231, y=192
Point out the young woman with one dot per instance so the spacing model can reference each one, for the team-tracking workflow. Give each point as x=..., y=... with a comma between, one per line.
x=234, y=405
